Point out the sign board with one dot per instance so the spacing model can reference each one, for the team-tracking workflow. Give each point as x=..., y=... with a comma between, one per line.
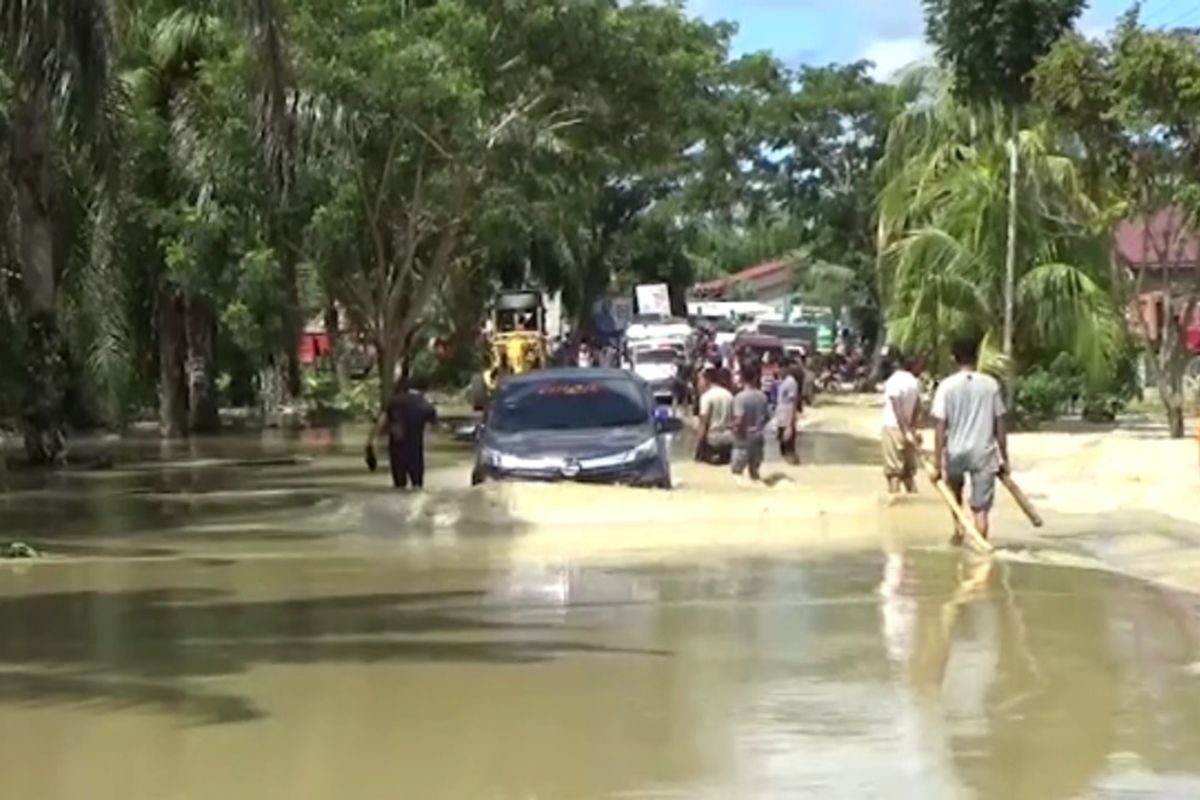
x=654, y=298
x=554, y=315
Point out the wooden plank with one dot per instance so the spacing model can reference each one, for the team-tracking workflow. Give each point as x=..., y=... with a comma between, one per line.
x=964, y=519
x=1022, y=500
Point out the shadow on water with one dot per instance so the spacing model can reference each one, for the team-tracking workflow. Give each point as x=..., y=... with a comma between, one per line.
x=236, y=489
x=144, y=648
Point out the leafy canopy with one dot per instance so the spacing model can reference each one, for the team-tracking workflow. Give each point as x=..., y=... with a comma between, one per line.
x=992, y=46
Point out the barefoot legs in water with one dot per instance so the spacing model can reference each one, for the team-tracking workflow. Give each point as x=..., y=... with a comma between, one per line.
x=980, y=518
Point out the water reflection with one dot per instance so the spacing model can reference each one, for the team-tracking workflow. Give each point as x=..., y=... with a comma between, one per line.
x=450, y=674
x=1043, y=709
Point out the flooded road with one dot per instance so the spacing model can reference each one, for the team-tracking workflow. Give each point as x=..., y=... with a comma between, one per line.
x=214, y=629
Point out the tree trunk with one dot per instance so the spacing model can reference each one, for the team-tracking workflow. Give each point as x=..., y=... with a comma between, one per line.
x=293, y=324
x=407, y=354
x=1175, y=418
x=333, y=328
x=1170, y=385
x=203, y=416
x=45, y=442
x=1010, y=253
x=172, y=351
x=386, y=357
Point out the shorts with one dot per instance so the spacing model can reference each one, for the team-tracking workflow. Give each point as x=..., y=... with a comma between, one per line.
x=748, y=454
x=718, y=455
x=899, y=456
x=983, y=478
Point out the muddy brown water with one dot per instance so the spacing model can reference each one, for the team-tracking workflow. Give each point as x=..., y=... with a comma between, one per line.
x=227, y=623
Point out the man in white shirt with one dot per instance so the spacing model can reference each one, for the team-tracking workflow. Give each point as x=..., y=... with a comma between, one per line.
x=901, y=421
x=716, y=420
x=971, y=436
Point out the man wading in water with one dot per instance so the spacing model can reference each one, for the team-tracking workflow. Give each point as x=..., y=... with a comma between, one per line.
x=971, y=438
x=750, y=416
x=404, y=421
x=715, y=445
x=901, y=415
x=788, y=406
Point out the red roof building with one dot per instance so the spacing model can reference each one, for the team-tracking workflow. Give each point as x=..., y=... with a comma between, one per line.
x=1163, y=254
x=1164, y=242
x=765, y=282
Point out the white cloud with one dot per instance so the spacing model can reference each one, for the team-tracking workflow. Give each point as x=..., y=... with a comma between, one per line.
x=892, y=55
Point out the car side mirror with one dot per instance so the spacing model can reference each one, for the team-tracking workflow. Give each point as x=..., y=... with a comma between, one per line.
x=670, y=425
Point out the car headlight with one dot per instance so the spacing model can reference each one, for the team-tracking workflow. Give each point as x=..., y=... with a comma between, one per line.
x=495, y=459
x=490, y=458
x=646, y=450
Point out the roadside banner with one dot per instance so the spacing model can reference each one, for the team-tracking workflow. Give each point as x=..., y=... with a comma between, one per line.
x=654, y=298
x=554, y=314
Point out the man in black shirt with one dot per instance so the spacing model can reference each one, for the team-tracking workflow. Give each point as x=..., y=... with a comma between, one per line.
x=404, y=421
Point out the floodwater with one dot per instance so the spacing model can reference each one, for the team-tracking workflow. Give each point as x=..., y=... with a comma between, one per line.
x=260, y=619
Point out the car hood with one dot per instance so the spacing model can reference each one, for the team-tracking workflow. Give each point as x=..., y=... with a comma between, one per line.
x=588, y=443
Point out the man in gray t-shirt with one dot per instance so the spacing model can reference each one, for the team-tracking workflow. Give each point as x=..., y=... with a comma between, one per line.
x=750, y=415
x=971, y=438
x=787, y=407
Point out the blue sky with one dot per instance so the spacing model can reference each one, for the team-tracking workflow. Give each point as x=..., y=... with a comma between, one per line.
x=888, y=32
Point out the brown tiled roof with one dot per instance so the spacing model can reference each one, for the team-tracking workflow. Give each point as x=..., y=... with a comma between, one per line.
x=748, y=274
x=1162, y=242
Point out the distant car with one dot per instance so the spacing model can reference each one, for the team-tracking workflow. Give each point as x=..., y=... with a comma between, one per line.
x=591, y=425
x=759, y=346
x=649, y=327
x=659, y=368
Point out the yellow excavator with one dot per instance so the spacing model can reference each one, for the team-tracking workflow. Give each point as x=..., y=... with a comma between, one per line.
x=518, y=340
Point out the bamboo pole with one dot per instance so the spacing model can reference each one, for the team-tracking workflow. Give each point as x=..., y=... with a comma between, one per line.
x=1022, y=500
x=964, y=519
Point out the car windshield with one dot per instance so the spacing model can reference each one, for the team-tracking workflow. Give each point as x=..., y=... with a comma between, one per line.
x=569, y=405
x=668, y=356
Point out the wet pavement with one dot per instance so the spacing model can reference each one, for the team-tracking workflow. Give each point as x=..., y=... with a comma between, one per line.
x=224, y=627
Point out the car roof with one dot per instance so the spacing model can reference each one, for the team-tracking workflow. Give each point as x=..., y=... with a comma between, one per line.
x=758, y=340
x=568, y=374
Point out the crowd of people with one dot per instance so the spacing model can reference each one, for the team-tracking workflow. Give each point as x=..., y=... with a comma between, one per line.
x=740, y=409
x=735, y=414
x=740, y=405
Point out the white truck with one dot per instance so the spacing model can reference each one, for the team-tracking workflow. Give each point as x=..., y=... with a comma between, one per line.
x=658, y=365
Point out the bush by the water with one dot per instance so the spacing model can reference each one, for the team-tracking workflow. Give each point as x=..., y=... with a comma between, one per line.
x=356, y=399
x=1047, y=392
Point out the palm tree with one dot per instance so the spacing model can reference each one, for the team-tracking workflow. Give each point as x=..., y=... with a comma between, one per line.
x=166, y=51
x=57, y=56
x=63, y=110
x=943, y=215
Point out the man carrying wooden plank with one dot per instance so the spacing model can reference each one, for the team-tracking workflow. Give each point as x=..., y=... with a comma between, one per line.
x=901, y=416
x=971, y=439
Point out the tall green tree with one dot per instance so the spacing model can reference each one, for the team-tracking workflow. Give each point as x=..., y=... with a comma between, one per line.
x=800, y=181
x=469, y=129
x=211, y=122
x=942, y=213
x=56, y=56
x=437, y=106
x=990, y=48
x=1130, y=106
